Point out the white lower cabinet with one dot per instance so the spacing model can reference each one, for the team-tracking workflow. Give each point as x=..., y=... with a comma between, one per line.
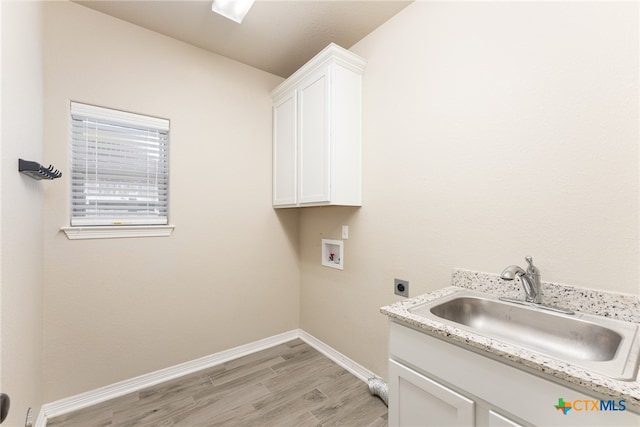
x=433, y=382
x=497, y=420
x=421, y=401
x=419, y=398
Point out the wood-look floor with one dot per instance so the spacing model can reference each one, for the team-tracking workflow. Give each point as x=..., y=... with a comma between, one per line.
x=291, y=384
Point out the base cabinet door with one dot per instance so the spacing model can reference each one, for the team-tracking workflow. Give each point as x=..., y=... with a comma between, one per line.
x=415, y=400
x=498, y=420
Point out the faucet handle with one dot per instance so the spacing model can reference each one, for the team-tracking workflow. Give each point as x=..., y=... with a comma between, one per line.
x=532, y=269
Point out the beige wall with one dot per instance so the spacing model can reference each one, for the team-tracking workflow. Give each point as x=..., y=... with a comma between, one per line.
x=491, y=131
x=228, y=275
x=21, y=204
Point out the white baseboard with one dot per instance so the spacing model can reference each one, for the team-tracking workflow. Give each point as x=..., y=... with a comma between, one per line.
x=102, y=394
x=354, y=368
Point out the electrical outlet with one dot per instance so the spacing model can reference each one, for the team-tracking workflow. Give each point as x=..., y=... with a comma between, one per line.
x=401, y=287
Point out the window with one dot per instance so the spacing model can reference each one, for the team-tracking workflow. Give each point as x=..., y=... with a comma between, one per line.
x=119, y=168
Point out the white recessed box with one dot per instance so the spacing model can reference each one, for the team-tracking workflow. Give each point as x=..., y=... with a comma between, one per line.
x=333, y=253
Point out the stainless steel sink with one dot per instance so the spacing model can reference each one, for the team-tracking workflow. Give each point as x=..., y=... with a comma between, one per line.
x=599, y=344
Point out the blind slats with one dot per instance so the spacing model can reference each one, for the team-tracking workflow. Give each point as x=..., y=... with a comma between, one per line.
x=114, y=143
x=113, y=169
x=120, y=167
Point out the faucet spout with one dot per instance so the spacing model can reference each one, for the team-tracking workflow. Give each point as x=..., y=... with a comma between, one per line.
x=512, y=272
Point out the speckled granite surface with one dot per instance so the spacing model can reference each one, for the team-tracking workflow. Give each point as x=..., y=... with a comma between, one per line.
x=622, y=307
x=608, y=304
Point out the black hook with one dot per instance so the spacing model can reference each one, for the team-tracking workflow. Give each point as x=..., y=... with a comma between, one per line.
x=5, y=402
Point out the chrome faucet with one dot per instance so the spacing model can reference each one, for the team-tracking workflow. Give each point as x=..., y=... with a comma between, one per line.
x=530, y=280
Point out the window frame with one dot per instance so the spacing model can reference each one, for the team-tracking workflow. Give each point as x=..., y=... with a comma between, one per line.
x=117, y=226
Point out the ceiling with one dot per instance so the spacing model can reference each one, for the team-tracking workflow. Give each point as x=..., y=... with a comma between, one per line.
x=277, y=36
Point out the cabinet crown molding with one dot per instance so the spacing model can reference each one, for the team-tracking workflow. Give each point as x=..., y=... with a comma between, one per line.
x=330, y=54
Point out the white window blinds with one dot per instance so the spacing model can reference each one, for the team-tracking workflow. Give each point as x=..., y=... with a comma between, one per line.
x=120, y=167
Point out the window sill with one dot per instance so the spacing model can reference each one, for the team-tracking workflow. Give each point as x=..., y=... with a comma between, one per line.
x=117, y=231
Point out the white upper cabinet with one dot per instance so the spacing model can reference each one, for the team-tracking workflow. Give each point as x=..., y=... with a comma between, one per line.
x=317, y=132
x=285, y=161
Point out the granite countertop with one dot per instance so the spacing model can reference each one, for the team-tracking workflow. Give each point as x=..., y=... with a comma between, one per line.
x=617, y=306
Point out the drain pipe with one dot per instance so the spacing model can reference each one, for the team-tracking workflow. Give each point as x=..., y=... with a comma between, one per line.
x=379, y=388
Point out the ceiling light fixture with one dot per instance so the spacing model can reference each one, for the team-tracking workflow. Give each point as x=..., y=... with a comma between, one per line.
x=232, y=9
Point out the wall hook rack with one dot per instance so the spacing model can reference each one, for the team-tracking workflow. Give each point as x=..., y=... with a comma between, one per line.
x=36, y=171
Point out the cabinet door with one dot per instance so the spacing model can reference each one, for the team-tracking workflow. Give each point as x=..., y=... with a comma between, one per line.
x=284, y=151
x=415, y=400
x=314, y=139
x=497, y=420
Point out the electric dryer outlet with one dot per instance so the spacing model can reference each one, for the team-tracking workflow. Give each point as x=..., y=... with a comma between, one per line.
x=401, y=287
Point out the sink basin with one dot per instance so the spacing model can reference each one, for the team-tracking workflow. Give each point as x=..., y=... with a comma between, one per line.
x=606, y=346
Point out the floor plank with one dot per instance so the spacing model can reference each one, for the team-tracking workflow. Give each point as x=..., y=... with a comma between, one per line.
x=290, y=384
